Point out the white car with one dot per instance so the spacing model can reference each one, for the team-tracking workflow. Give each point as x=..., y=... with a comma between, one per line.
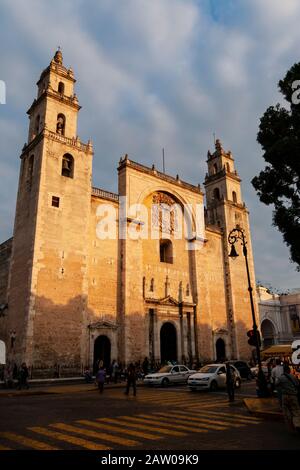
x=264, y=366
x=211, y=377
x=169, y=375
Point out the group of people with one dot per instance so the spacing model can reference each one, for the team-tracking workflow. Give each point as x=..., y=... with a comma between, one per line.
x=131, y=376
x=11, y=373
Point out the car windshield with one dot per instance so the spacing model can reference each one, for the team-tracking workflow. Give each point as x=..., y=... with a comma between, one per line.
x=208, y=369
x=165, y=369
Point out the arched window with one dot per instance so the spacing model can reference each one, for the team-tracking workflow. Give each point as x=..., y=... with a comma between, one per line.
x=187, y=292
x=37, y=125
x=234, y=198
x=227, y=167
x=166, y=251
x=61, y=88
x=60, y=124
x=215, y=168
x=67, y=168
x=152, y=285
x=217, y=194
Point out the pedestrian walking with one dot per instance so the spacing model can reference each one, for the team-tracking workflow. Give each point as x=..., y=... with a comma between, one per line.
x=100, y=378
x=23, y=376
x=289, y=386
x=8, y=377
x=131, y=379
x=115, y=371
x=229, y=382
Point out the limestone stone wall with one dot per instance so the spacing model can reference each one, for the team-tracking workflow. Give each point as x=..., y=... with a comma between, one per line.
x=19, y=285
x=5, y=257
x=59, y=280
x=212, y=310
x=141, y=258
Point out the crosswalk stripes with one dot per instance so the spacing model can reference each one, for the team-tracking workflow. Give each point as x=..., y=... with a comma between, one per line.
x=96, y=434
x=27, y=442
x=77, y=441
x=251, y=419
x=200, y=419
x=162, y=422
x=4, y=447
x=125, y=420
x=237, y=418
x=128, y=431
x=153, y=420
x=185, y=399
x=212, y=425
x=118, y=429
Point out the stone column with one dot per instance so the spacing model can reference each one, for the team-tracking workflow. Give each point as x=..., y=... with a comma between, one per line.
x=181, y=333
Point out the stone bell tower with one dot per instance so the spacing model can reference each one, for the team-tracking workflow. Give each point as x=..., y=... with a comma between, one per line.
x=47, y=301
x=226, y=209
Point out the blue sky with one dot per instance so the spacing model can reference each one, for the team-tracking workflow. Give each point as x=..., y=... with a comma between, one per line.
x=153, y=74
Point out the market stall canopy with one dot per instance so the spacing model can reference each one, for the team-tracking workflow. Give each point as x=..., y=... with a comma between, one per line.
x=278, y=350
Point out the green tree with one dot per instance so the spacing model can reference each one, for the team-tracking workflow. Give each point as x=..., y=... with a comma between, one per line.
x=279, y=182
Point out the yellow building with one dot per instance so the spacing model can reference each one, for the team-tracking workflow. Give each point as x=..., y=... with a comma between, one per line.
x=69, y=295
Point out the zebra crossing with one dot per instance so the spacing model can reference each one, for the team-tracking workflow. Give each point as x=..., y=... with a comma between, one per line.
x=185, y=415
x=184, y=398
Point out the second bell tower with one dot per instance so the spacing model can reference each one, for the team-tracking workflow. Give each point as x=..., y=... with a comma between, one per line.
x=226, y=209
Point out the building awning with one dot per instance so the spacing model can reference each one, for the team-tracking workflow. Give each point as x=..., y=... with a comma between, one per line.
x=278, y=350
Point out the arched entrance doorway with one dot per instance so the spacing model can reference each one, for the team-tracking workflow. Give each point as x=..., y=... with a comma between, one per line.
x=220, y=350
x=168, y=343
x=268, y=333
x=102, y=350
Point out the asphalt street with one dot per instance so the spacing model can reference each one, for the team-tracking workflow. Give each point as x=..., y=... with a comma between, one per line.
x=157, y=418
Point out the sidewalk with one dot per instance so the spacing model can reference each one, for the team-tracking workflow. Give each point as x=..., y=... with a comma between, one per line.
x=57, y=389
x=264, y=408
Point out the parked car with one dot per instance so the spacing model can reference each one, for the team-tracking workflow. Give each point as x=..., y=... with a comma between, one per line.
x=212, y=377
x=243, y=368
x=264, y=366
x=169, y=375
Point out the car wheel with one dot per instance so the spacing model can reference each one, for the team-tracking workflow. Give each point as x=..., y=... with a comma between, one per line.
x=213, y=386
x=165, y=382
x=238, y=383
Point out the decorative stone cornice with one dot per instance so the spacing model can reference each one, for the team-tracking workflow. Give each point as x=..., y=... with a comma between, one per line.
x=50, y=93
x=103, y=324
x=169, y=301
x=105, y=194
x=125, y=161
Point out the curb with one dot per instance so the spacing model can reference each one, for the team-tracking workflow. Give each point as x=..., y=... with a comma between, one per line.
x=48, y=391
x=273, y=415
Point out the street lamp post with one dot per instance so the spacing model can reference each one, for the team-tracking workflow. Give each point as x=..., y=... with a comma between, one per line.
x=235, y=235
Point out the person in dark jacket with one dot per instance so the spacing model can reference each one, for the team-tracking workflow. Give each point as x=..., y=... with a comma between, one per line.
x=100, y=378
x=229, y=382
x=131, y=379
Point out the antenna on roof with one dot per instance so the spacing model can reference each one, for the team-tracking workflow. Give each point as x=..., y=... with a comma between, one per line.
x=163, y=159
x=214, y=134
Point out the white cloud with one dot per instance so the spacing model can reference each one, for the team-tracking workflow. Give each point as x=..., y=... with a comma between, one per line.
x=154, y=74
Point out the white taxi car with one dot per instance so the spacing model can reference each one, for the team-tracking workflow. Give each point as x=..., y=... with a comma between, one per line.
x=169, y=375
x=213, y=376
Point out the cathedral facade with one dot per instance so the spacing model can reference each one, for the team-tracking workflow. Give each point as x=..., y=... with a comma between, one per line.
x=90, y=274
